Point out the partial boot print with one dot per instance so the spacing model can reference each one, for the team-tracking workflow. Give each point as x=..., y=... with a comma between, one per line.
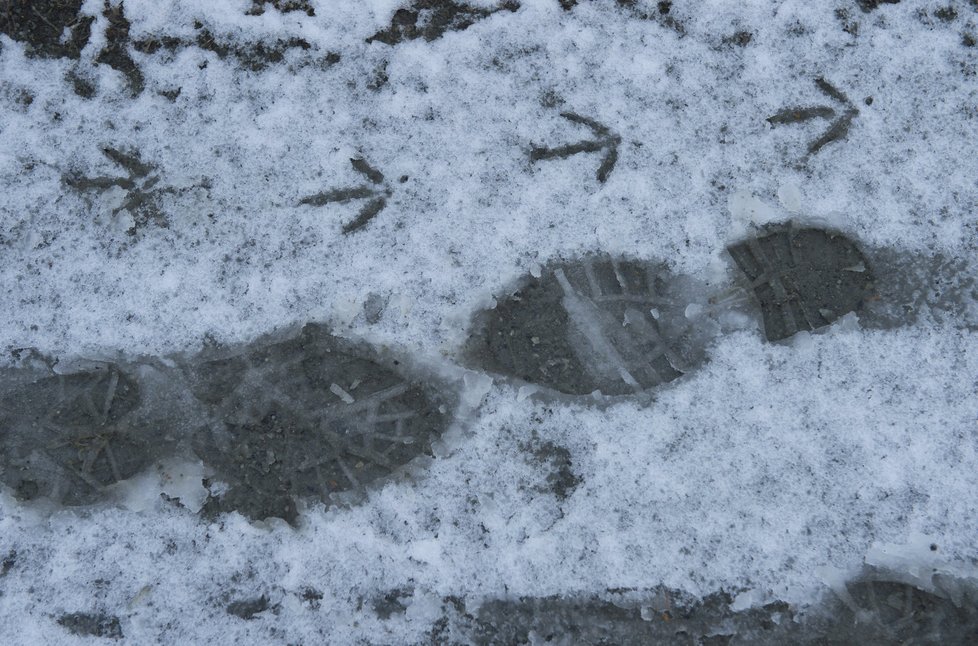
x=887, y=607
x=806, y=278
x=877, y=607
x=67, y=437
x=309, y=416
x=803, y=279
x=929, y=286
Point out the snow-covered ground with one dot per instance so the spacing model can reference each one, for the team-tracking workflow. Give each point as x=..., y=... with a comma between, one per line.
x=772, y=472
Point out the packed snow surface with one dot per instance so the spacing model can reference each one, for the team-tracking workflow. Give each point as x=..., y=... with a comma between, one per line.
x=762, y=472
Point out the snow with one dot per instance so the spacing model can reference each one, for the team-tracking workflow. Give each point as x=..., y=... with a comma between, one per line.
x=753, y=474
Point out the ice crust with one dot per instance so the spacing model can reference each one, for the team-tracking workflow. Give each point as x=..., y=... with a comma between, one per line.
x=752, y=474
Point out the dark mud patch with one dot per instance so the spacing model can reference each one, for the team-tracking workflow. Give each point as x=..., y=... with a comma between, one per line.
x=659, y=11
x=282, y=6
x=115, y=54
x=92, y=625
x=871, y=5
x=41, y=25
x=557, y=463
x=81, y=85
x=432, y=19
x=255, y=56
x=312, y=598
x=739, y=39
x=8, y=563
x=946, y=14
x=247, y=608
x=392, y=603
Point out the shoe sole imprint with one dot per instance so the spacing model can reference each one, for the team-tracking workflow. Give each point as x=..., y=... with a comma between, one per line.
x=66, y=436
x=308, y=417
x=807, y=278
x=803, y=279
x=313, y=416
x=597, y=323
x=621, y=326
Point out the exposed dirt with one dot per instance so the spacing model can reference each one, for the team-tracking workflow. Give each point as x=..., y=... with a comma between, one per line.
x=115, y=54
x=92, y=625
x=41, y=25
x=248, y=608
x=258, y=7
x=432, y=19
x=254, y=57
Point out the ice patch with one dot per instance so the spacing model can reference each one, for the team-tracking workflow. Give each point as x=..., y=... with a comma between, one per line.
x=789, y=195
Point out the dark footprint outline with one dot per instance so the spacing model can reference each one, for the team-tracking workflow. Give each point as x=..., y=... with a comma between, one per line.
x=787, y=272
x=628, y=316
x=280, y=396
x=788, y=277
x=69, y=436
